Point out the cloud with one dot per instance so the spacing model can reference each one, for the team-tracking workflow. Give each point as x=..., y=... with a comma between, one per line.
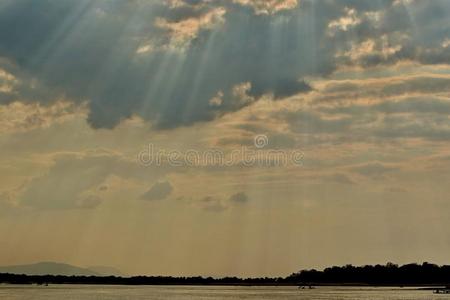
x=239, y=198
x=212, y=204
x=373, y=170
x=386, y=87
x=19, y=117
x=103, y=188
x=433, y=128
x=66, y=185
x=345, y=22
x=168, y=61
x=159, y=191
x=120, y=88
x=307, y=121
x=76, y=180
x=416, y=105
x=396, y=190
x=8, y=201
x=90, y=201
x=268, y=6
x=7, y=82
x=339, y=178
x=182, y=32
x=370, y=109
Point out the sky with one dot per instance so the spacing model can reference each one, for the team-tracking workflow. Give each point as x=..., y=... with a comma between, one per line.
x=224, y=137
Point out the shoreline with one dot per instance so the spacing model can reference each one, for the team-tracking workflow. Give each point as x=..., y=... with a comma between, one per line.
x=424, y=287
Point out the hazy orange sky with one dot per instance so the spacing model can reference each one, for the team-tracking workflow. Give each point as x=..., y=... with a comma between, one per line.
x=360, y=88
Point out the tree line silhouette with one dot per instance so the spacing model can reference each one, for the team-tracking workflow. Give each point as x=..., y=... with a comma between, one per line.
x=388, y=275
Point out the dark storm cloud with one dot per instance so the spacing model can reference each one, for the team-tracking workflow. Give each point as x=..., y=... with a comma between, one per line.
x=87, y=51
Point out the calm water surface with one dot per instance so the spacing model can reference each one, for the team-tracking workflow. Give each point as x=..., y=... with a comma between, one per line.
x=72, y=292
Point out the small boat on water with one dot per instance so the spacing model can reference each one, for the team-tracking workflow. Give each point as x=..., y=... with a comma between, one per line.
x=445, y=290
x=42, y=283
x=303, y=287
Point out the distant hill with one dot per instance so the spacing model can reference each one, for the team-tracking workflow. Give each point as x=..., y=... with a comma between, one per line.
x=52, y=268
x=107, y=271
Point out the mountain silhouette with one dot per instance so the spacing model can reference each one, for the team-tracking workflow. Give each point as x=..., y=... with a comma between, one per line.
x=107, y=271
x=53, y=268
